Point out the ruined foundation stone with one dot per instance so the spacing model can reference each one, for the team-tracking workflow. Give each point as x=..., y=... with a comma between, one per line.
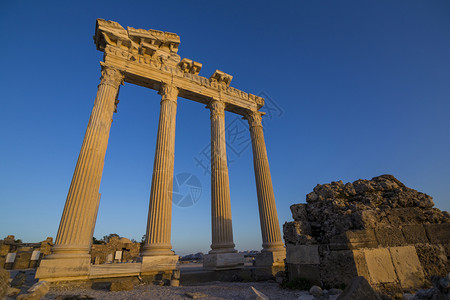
x=378, y=228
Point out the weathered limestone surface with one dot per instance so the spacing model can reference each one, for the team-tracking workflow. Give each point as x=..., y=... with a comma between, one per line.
x=70, y=254
x=378, y=228
x=270, y=228
x=222, y=231
x=100, y=253
x=4, y=282
x=160, y=211
x=149, y=58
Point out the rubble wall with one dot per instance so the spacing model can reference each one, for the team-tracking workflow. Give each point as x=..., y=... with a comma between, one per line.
x=378, y=228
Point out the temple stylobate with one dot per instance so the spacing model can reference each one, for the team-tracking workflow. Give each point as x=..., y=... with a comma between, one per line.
x=149, y=58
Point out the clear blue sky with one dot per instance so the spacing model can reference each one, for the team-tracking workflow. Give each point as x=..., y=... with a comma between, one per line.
x=360, y=88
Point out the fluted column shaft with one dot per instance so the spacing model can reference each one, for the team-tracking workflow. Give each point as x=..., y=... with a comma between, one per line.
x=80, y=211
x=270, y=228
x=157, y=240
x=222, y=232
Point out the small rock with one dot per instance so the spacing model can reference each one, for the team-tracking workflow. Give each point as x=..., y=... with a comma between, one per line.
x=334, y=291
x=195, y=295
x=12, y=292
x=36, y=291
x=256, y=295
x=125, y=285
x=408, y=296
x=174, y=282
x=306, y=297
x=316, y=291
x=19, y=280
x=359, y=289
x=73, y=297
x=176, y=274
x=4, y=282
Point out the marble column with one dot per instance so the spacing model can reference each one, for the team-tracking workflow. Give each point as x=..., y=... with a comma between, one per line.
x=270, y=228
x=75, y=231
x=222, y=232
x=78, y=218
x=157, y=242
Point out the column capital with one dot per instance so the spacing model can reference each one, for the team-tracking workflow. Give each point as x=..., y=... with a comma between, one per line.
x=168, y=92
x=217, y=107
x=254, y=118
x=111, y=76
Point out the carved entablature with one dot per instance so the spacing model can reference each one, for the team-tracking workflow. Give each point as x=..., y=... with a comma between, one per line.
x=221, y=77
x=147, y=57
x=188, y=66
x=157, y=45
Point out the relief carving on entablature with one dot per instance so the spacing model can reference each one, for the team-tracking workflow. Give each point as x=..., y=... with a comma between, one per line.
x=157, y=49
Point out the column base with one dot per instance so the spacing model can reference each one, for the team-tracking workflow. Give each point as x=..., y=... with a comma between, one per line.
x=223, y=261
x=271, y=258
x=64, y=269
x=158, y=263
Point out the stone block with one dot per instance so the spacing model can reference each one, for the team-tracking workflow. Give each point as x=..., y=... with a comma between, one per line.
x=256, y=295
x=438, y=233
x=414, y=234
x=123, y=285
x=302, y=254
x=337, y=267
x=407, y=266
x=22, y=260
x=223, y=261
x=433, y=259
x=390, y=236
x=297, y=232
x=151, y=264
x=309, y=272
x=339, y=242
x=379, y=265
x=299, y=212
x=359, y=289
x=19, y=280
x=360, y=263
x=63, y=269
x=4, y=282
x=361, y=239
x=270, y=259
x=36, y=292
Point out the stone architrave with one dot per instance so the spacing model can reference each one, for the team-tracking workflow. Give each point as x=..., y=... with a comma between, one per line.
x=273, y=247
x=70, y=255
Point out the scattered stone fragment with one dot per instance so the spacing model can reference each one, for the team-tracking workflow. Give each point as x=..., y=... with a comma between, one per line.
x=125, y=285
x=359, y=289
x=316, y=291
x=74, y=297
x=408, y=296
x=306, y=297
x=176, y=274
x=12, y=292
x=334, y=291
x=192, y=295
x=174, y=282
x=256, y=295
x=19, y=280
x=440, y=290
x=4, y=282
x=36, y=292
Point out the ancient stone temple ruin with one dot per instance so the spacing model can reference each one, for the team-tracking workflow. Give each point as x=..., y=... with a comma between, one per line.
x=149, y=58
x=378, y=228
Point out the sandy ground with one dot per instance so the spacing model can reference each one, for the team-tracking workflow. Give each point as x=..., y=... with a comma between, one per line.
x=212, y=290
